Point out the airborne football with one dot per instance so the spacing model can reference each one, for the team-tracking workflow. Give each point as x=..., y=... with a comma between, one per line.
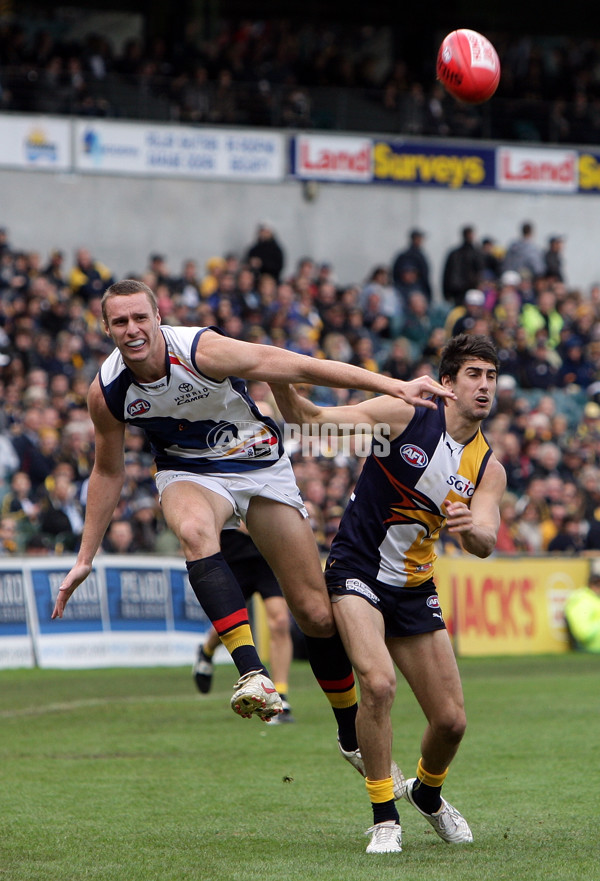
x=468, y=66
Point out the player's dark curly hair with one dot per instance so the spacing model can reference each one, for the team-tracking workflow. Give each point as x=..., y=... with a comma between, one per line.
x=465, y=347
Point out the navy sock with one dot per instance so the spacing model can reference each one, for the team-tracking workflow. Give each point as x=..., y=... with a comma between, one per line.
x=428, y=798
x=384, y=811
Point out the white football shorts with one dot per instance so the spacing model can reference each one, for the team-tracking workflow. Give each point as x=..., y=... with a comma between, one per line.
x=275, y=482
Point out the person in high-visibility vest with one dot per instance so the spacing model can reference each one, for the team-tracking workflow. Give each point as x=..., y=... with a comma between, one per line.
x=582, y=613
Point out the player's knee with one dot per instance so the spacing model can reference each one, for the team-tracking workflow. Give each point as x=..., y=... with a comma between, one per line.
x=279, y=625
x=378, y=688
x=198, y=534
x=315, y=620
x=451, y=726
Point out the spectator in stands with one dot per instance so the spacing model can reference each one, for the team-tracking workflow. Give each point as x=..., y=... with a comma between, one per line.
x=420, y=319
x=54, y=269
x=398, y=362
x=463, y=319
x=582, y=613
x=188, y=286
x=575, y=369
x=492, y=261
x=88, y=277
x=569, y=538
x=119, y=538
x=378, y=298
x=415, y=257
x=543, y=315
x=524, y=256
x=553, y=259
x=463, y=268
x=61, y=514
x=509, y=540
x=266, y=255
x=9, y=539
x=538, y=368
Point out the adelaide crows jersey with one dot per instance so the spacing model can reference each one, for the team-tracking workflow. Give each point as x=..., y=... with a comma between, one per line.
x=193, y=423
x=394, y=515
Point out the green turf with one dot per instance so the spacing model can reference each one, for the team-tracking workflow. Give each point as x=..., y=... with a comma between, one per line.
x=130, y=775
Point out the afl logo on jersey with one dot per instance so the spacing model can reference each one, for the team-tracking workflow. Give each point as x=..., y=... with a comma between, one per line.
x=137, y=408
x=433, y=602
x=414, y=456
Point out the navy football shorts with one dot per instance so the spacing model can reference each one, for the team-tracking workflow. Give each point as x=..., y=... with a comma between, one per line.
x=407, y=611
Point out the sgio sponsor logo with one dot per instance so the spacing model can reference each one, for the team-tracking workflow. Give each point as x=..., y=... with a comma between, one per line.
x=461, y=486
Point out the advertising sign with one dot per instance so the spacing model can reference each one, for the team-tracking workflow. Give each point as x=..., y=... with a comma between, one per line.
x=450, y=167
x=35, y=142
x=331, y=158
x=539, y=170
x=123, y=614
x=178, y=151
x=500, y=607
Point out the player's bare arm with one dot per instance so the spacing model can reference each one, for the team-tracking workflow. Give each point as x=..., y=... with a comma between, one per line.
x=382, y=410
x=477, y=524
x=219, y=357
x=104, y=490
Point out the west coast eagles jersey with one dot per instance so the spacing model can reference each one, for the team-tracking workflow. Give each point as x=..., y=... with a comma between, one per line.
x=193, y=423
x=394, y=516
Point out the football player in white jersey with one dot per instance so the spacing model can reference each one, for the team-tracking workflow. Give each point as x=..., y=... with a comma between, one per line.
x=436, y=470
x=219, y=461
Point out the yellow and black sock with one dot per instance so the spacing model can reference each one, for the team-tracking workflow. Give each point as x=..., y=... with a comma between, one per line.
x=381, y=794
x=333, y=671
x=221, y=597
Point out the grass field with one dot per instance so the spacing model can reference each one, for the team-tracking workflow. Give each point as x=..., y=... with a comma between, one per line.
x=130, y=775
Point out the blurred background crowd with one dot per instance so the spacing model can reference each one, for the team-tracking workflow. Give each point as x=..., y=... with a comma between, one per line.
x=544, y=428
x=279, y=72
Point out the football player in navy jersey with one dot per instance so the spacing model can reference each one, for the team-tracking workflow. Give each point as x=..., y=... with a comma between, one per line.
x=436, y=470
x=219, y=461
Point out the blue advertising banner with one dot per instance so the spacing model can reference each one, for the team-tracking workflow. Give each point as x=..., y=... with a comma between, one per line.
x=84, y=611
x=130, y=611
x=13, y=609
x=188, y=614
x=138, y=599
x=449, y=166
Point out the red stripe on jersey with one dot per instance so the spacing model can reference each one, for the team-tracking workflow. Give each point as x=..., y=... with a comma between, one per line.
x=173, y=359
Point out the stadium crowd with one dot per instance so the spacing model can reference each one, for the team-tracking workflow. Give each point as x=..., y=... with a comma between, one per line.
x=263, y=73
x=545, y=426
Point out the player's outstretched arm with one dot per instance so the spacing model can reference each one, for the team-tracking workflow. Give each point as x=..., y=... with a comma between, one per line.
x=104, y=490
x=219, y=357
x=382, y=410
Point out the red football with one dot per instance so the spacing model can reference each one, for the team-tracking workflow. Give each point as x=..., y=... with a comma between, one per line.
x=468, y=66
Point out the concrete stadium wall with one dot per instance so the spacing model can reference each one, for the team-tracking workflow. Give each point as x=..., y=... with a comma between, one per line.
x=122, y=220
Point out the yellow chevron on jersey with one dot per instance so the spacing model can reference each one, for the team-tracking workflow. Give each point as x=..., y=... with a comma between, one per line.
x=394, y=517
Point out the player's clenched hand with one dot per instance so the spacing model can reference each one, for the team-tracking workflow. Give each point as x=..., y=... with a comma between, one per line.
x=458, y=517
x=422, y=392
x=73, y=579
